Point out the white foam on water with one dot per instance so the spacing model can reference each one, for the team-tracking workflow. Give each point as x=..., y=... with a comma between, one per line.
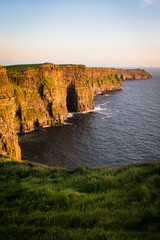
x=28, y=131
x=123, y=88
x=107, y=116
x=103, y=104
x=93, y=110
x=100, y=92
x=107, y=95
x=98, y=108
x=104, y=113
x=66, y=123
x=70, y=115
x=47, y=126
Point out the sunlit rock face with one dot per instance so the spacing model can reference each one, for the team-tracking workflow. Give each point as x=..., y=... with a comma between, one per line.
x=8, y=138
x=42, y=95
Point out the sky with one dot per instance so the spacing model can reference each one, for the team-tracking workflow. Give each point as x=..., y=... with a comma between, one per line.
x=107, y=33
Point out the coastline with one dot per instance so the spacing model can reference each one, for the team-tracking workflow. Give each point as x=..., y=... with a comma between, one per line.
x=34, y=96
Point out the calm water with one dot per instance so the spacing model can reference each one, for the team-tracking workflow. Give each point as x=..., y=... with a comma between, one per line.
x=124, y=127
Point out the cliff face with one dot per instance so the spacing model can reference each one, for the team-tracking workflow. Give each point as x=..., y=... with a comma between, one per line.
x=102, y=79
x=44, y=95
x=35, y=96
x=131, y=74
x=8, y=138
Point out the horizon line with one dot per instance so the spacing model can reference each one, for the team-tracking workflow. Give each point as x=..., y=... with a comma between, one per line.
x=87, y=65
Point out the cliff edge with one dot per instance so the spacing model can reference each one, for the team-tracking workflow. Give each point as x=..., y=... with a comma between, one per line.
x=33, y=96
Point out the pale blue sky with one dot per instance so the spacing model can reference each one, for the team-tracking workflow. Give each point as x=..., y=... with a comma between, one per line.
x=92, y=32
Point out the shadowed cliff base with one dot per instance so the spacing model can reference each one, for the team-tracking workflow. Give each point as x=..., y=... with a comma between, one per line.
x=71, y=99
x=40, y=95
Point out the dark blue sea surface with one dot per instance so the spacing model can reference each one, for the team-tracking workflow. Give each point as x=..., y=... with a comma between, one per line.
x=123, y=127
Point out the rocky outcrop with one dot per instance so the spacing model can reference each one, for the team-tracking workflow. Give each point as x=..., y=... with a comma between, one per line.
x=132, y=74
x=102, y=79
x=8, y=137
x=41, y=95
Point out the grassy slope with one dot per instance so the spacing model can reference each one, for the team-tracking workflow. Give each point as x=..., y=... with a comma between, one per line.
x=22, y=67
x=34, y=66
x=38, y=202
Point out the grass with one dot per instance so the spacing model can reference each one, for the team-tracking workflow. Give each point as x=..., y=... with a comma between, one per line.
x=38, y=202
x=108, y=80
x=22, y=67
x=48, y=82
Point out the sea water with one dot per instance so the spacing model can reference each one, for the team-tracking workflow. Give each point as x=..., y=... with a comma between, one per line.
x=124, y=127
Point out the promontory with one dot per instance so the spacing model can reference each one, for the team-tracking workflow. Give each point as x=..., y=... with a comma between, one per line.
x=38, y=95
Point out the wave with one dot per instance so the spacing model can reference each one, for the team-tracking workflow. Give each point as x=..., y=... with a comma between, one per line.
x=107, y=116
x=107, y=113
x=92, y=110
x=66, y=123
x=100, y=93
x=98, y=108
x=123, y=88
x=102, y=104
x=47, y=126
x=70, y=114
x=107, y=95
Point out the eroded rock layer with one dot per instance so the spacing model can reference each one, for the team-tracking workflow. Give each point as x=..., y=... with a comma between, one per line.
x=33, y=96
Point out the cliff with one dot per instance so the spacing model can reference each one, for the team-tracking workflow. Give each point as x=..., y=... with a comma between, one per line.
x=8, y=138
x=33, y=96
x=102, y=79
x=132, y=74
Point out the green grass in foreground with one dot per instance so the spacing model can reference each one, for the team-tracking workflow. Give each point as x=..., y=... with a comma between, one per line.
x=37, y=202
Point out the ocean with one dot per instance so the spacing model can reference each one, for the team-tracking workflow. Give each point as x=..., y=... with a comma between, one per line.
x=124, y=127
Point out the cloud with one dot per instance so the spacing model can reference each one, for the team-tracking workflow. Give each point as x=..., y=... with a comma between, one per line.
x=147, y=3
x=150, y=1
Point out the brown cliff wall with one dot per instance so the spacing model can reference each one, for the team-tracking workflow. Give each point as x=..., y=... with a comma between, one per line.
x=131, y=74
x=102, y=79
x=8, y=137
x=42, y=95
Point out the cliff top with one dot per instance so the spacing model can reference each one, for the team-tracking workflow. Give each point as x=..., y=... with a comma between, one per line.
x=1, y=66
x=34, y=66
x=23, y=66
